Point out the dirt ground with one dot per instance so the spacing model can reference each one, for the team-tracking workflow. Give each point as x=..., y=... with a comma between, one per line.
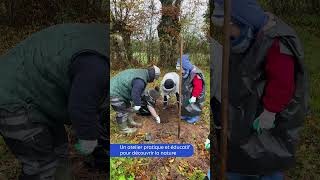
x=10, y=167
x=80, y=170
x=167, y=132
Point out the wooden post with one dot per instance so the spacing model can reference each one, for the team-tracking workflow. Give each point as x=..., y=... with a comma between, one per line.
x=180, y=86
x=213, y=167
x=225, y=88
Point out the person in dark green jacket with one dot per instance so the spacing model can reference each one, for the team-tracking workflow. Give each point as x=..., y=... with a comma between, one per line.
x=127, y=87
x=54, y=77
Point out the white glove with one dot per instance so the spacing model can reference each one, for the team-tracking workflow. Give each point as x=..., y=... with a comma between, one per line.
x=86, y=147
x=192, y=100
x=158, y=119
x=207, y=141
x=266, y=119
x=136, y=108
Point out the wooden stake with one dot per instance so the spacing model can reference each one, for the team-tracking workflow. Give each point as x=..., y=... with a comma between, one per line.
x=225, y=88
x=180, y=86
x=213, y=167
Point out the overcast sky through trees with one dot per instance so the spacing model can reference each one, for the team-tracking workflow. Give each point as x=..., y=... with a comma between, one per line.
x=192, y=10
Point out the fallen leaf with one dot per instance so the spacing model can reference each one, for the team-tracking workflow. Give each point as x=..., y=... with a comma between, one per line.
x=144, y=177
x=171, y=160
x=180, y=168
x=118, y=163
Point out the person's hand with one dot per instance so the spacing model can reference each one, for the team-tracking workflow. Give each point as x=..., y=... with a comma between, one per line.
x=192, y=100
x=207, y=144
x=264, y=121
x=158, y=119
x=136, y=108
x=86, y=147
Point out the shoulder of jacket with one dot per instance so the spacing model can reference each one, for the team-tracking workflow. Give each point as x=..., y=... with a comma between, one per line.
x=284, y=49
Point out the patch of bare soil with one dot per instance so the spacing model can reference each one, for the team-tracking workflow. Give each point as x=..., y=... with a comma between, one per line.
x=82, y=172
x=80, y=169
x=167, y=132
x=10, y=168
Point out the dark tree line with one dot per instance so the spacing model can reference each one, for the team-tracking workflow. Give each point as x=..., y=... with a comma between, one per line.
x=293, y=7
x=27, y=12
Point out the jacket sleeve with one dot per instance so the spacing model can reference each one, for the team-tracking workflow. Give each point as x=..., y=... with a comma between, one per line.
x=280, y=85
x=197, y=86
x=138, y=87
x=88, y=85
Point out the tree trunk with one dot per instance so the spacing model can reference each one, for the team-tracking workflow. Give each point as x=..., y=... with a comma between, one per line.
x=108, y=12
x=315, y=6
x=150, y=37
x=98, y=4
x=117, y=51
x=127, y=45
x=11, y=7
x=149, y=46
x=169, y=32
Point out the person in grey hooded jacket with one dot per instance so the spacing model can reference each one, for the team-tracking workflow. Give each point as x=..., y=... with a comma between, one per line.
x=267, y=92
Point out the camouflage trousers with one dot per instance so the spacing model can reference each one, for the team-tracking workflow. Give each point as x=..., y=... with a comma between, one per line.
x=41, y=149
x=122, y=109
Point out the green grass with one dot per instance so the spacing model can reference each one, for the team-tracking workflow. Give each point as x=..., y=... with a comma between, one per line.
x=206, y=110
x=200, y=59
x=141, y=57
x=197, y=174
x=120, y=168
x=311, y=45
x=308, y=153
